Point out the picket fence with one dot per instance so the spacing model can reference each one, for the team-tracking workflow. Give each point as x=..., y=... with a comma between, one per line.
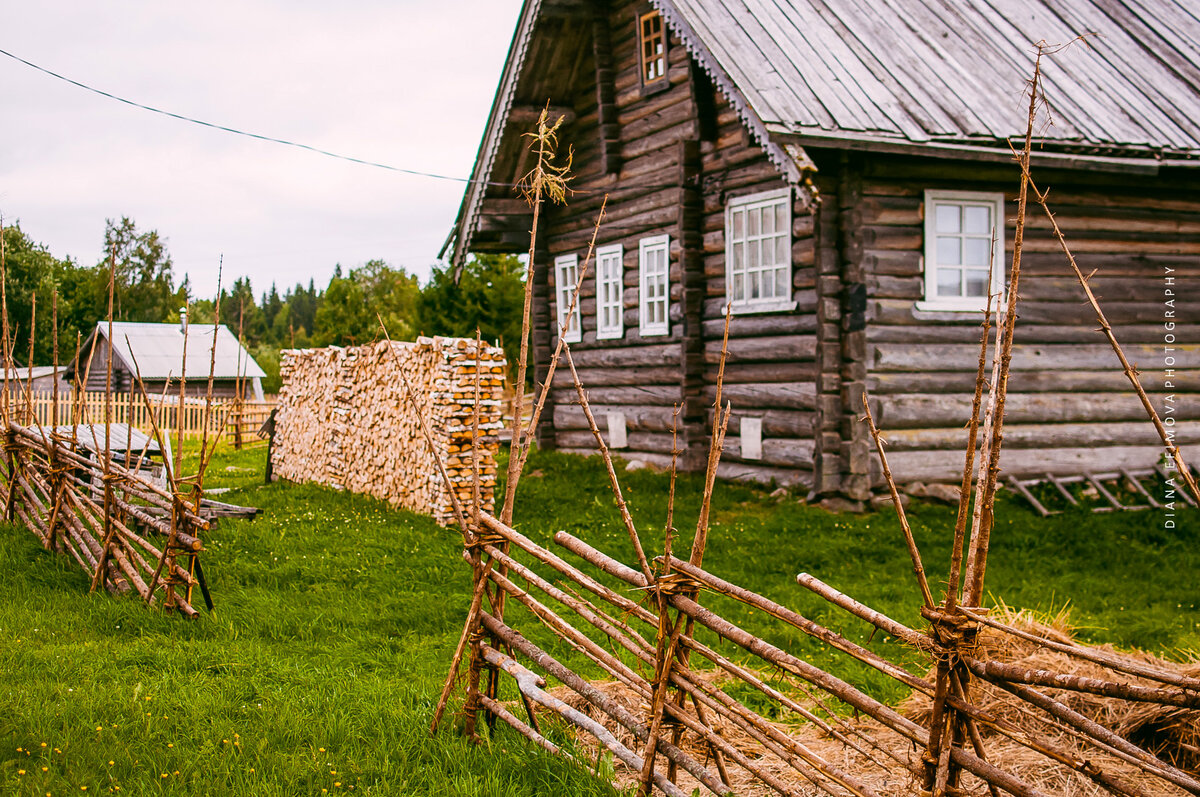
x=238, y=420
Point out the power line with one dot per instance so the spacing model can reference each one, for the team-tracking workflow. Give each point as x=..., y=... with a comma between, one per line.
x=235, y=131
x=308, y=147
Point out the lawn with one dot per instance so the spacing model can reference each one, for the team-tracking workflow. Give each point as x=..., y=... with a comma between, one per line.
x=336, y=617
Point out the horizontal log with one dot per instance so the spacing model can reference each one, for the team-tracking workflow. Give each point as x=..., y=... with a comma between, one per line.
x=740, y=373
x=775, y=423
x=779, y=395
x=903, y=311
x=637, y=442
x=917, y=466
x=1111, y=381
x=781, y=452
x=764, y=474
x=967, y=331
x=1042, y=435
x=621, y=354
x=931, y=410
x=646, y=395
x=637, y=419
x=763, y=349
x=748, y=325
x=1025, y=357
x=627, y=375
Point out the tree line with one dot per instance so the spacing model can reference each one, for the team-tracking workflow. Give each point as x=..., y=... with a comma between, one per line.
x=488, y=295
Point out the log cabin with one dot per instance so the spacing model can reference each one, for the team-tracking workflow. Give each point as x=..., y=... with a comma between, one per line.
x=157, y=352
x=834, y=172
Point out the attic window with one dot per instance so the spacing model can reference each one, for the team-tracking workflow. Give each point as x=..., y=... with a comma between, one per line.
x=654, y=48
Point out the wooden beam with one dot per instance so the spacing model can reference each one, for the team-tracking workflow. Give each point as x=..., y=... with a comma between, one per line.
x=527, y=115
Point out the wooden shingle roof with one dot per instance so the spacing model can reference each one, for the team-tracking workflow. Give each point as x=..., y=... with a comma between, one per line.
x=953, y=70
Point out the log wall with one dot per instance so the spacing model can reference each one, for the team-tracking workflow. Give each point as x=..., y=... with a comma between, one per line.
x=344, y=421
x=1070, y=408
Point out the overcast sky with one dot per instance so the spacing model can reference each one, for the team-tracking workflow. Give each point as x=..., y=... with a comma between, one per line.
x=401, y=82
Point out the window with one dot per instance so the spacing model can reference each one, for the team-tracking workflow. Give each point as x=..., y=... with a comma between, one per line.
x=566, y=273
x=655, y=290
x=958, y=249
x=610, y=307
x=758, y=252
x=654, y=47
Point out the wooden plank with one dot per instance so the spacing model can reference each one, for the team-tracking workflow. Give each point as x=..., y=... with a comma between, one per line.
x=1136, y=484
x=763, y=349
x=1109, y=381
x=780, y=395
x=1063, y=491
x=924, y=466
x=1100, y=488
x=953, y=437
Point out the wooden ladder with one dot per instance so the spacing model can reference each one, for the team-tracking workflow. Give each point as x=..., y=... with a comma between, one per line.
x=1106, y=501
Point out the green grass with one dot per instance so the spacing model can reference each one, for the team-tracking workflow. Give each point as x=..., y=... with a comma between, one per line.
x=336, y=617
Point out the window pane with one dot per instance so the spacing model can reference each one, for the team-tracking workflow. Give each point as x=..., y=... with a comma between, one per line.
x=976, y=283
x=948, y=282
x=756, y=285
x=947, y=218
x=977, y=250
x=753, y=260
x=754, y=219
x=739, y=290
x=781, y=282
x=739, y=224
x=948, y=253
x=739, y=258
x=781, y=217
x=768, y=221
x=781, y=251
x=978, y=219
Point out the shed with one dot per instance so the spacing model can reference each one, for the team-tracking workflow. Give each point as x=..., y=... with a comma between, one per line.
x=833, y=171
x=41, y=377
x=157, y=352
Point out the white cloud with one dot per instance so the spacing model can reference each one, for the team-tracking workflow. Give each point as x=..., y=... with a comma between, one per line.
x=404, y=83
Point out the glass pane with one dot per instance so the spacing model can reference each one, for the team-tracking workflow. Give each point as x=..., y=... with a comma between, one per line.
x=781, y=250
x=781, y=217
x=977, y=250
x=739, y=224
x=976, y=283
x=753, y=222
x=781, y=282
x=753, y=260
x=768, y=221
x=739, y=258
x=756, y=285
x=978, y=219
x=948, y=282
x=948, y=253
x=739, y=291
x=947, y=218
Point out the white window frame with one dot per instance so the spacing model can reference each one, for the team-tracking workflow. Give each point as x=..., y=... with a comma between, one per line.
x=566, y=273
x=654, y=244
x=610, y=291
x=782, y=196
x=934, y=302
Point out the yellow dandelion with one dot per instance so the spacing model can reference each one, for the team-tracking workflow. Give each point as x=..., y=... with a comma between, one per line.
x=333, y=772
x=19, y=750
x=43, y=744
x=337, y=783
x=164, y=774
x=57, y=750
x=170, y=745
x=20, y=772
x=176, y=772
x=319, y=749
x=99, y=727
x=251, y=769
x=110, y=763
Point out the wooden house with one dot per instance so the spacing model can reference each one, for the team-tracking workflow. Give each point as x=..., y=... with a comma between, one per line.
x=157, y=352
x=834, y=171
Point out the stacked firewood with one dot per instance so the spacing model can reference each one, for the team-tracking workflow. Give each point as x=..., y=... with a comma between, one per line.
x=346, y=419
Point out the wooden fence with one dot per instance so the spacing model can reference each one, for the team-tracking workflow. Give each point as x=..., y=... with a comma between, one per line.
x=239, y=420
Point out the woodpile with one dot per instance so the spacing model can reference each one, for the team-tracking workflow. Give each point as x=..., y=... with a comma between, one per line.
x=345, y=420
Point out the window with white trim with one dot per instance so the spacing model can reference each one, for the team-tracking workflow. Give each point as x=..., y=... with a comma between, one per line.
x=959, y=249
x=610, y=285
x=654, y=264
x=566, y=273
x=758, y=252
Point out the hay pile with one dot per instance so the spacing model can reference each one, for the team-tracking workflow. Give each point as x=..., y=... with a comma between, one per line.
x=1171, y=733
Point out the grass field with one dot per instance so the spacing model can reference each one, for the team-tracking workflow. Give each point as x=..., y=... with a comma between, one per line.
x=336, y=616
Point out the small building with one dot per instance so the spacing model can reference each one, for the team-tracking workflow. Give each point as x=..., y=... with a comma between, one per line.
x=833, y=172
x=41, y=378
x=156, y=351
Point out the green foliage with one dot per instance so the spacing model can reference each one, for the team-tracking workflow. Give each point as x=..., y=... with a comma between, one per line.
x=32, y=271
x=144, y=289
x=351, y=307
x=489, y=296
